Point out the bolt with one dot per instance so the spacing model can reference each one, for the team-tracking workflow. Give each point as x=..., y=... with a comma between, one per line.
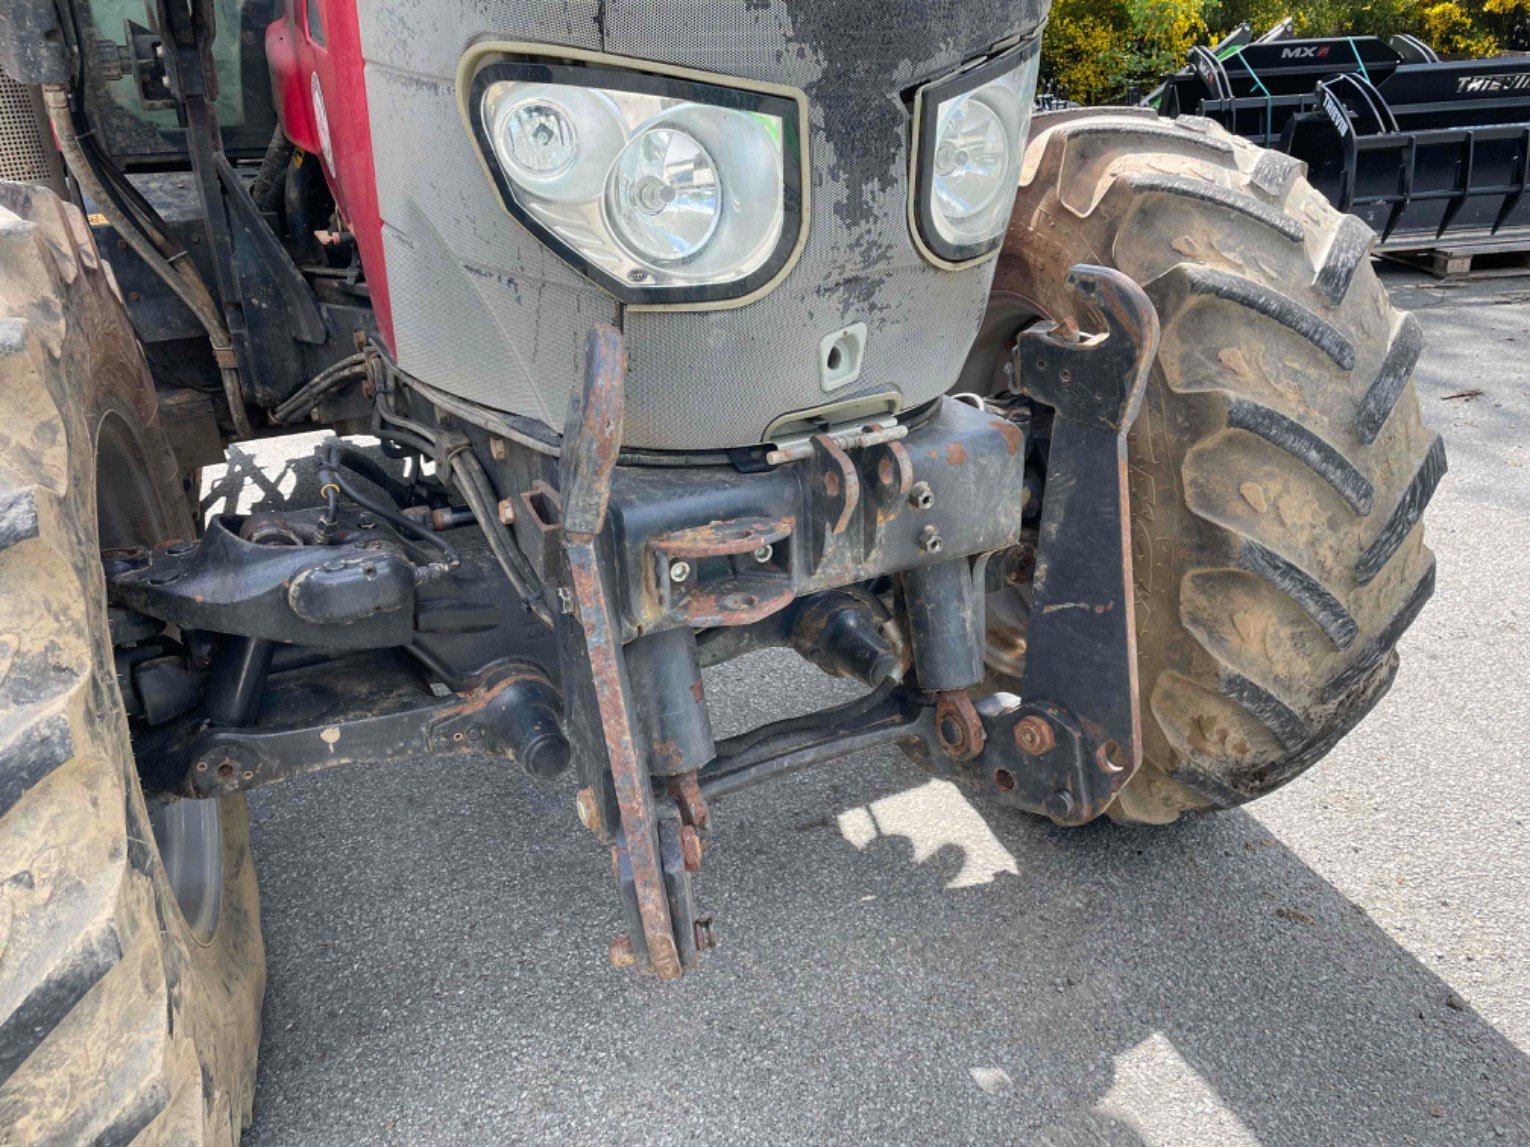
x=764, y=553
x=1034, y=736
x=690, y=848
x=622, y=955
x=365, y=521
x=180, y=548
x=920, y=496
x=929, y=539
x=705, y=937
x=1059, y=804
x=679, y=571
x=589, y=814
x=565, y=599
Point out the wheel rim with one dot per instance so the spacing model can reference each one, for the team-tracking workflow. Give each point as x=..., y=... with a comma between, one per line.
x=187, y=833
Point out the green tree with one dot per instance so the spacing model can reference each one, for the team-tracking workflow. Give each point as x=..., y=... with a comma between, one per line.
x=1096, y=50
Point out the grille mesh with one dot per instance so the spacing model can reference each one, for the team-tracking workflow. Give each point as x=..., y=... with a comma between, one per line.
x=23, y=158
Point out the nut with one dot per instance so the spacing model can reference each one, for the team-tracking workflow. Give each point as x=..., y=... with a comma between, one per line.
x=1059, y=804
x=920, y=496
x=507, y=511
x=1034, y=736
x=690, y=848
x=705, y=937
x=929, y=539
x=679, y=571
x=589, y=814
x=499, y=449
x=622, y=955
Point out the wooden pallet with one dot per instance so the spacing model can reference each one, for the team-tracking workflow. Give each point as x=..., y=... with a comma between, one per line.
x=1474, y=260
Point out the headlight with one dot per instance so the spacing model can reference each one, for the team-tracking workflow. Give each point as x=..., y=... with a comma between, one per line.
x=665, y=191
x=969, y=136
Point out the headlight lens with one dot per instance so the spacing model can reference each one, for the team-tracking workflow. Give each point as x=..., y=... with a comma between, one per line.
x=971, y=136
x=664, y=191
x=663, y=197
x=537, y=139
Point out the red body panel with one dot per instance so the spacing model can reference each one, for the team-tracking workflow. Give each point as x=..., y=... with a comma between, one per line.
x=299, y=63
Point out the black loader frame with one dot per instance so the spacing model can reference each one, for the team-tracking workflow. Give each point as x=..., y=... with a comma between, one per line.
x=1419, y=148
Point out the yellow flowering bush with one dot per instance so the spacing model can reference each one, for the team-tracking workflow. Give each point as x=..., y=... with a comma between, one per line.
x=1096, y=51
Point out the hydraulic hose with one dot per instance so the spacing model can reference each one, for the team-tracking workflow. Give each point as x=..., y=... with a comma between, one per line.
x=332, y=463
x=266, y=191
x=474, y=486
x=181, y=276
x=319, y=387
x=359, y=462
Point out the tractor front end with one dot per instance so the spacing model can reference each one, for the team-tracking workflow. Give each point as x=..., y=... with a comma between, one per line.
x=685, y=311
x=1082, y=444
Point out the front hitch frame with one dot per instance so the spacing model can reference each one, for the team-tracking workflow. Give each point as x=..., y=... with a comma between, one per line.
x=1073, y=740
x=638, y=560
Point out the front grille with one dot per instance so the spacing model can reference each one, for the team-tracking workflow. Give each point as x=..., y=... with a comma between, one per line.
x=483, y=310
x=25, y=153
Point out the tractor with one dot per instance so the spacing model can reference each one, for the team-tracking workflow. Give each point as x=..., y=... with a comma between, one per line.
x=634, y=338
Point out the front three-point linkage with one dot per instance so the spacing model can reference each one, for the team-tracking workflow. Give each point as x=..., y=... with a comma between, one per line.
x=764, y=558
x=649, y=855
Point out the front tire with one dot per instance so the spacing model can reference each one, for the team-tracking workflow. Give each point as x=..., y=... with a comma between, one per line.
x=1279, y=466
x=131, y=965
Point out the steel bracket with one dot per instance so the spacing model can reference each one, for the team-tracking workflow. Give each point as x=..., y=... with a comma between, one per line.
x=656, y=887
x=1067, y=751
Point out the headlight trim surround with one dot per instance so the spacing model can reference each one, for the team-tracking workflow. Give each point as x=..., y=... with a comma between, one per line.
x=488, y=63
x=1005, y=59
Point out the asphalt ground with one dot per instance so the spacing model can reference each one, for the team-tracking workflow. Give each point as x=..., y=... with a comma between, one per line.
x=1343, y=962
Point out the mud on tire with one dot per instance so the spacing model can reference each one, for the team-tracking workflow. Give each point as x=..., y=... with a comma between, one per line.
x=117, y=1022
x=1279, y=467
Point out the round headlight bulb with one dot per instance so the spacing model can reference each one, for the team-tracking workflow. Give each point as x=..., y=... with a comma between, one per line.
x=538, y=138
x=663, y=196
x=970, y=162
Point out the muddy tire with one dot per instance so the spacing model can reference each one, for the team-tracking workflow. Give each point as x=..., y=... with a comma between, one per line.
x=1279, y=467
x=121, y=1018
